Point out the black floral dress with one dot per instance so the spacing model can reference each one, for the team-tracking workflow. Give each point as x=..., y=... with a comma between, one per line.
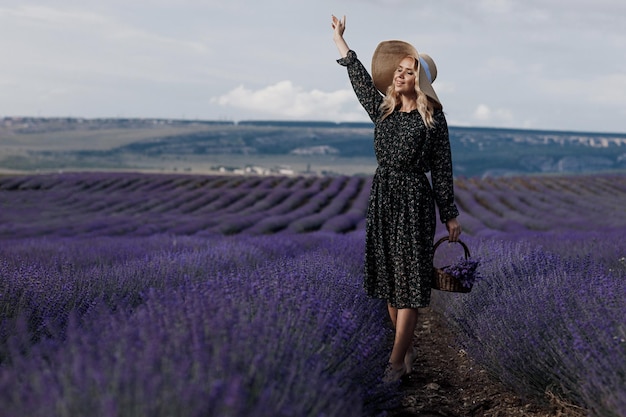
x=401, y=214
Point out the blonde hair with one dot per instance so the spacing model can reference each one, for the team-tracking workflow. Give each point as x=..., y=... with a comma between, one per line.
x=425, y=106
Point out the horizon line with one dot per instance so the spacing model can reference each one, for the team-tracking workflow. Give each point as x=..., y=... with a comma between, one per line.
x=287, y=121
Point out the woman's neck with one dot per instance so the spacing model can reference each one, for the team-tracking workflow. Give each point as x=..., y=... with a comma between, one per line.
x=407, y=104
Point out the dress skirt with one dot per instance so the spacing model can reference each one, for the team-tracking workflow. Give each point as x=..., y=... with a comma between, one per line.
x=400, y=230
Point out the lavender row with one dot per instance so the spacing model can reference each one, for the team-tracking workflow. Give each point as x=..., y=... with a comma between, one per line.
x=188, y=205
x=167, y=326
x=547, y=203
x=142, y=204
x=549, y=316
x=340, y=203
x=566, y=280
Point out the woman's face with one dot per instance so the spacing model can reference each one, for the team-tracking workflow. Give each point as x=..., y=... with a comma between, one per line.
x=404, y=77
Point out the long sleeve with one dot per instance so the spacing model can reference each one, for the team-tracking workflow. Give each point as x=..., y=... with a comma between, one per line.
x=440, y=159
x=363, y=86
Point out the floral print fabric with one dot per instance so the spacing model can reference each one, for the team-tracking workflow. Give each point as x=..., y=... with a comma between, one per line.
x=401, y=214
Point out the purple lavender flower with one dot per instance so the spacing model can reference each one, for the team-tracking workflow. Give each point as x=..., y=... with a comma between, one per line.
x=465, y=270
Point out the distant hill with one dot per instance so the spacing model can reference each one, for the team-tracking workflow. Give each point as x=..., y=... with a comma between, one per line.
x=496, y=152
x=343, y=148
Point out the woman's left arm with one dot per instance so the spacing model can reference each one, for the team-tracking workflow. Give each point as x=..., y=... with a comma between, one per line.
x=454, y=229
x=442, y=176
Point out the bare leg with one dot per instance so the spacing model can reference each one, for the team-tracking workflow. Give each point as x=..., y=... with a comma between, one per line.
x=406, y=320
x=393, y=315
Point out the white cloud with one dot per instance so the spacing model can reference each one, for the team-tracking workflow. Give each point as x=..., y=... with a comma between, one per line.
x=287, y=101
x=502, y=66
x=553, y=62
x=482, y=113
x=496, y=6
x=77, y=46
x=607, y=90
x=52, y=16
x=500, y=117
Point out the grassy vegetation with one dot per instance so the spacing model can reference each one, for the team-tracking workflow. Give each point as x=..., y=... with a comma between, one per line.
x=197, y=146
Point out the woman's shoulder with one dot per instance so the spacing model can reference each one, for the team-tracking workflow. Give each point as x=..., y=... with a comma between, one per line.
x=441, y=124
x=438, y=114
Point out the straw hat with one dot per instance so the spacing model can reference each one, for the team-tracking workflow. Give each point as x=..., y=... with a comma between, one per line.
x=388, y=55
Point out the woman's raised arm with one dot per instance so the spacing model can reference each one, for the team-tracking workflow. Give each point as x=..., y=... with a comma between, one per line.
x=339, y=26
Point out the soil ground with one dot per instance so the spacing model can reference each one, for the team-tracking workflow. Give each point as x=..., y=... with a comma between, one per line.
x=445, y=382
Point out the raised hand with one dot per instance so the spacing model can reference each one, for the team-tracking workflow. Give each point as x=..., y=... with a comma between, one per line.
x=339, y=26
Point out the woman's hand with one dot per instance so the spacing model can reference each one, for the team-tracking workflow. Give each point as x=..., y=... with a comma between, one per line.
x=454, y=230
x=339, y=26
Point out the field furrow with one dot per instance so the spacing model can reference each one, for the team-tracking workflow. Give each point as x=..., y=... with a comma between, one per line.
x=76, y=204
x=113, y=280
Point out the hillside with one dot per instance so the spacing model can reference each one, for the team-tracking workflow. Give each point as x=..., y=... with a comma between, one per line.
x=156, y=145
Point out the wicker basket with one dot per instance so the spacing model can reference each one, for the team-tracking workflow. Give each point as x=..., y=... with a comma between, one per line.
x=445, y=282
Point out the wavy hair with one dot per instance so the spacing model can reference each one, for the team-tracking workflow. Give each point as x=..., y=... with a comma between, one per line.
x=425, y=106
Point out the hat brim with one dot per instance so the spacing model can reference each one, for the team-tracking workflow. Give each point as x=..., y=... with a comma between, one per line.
x=385, y=60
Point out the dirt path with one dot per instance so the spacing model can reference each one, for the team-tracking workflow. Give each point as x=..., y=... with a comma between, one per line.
x=445, y=382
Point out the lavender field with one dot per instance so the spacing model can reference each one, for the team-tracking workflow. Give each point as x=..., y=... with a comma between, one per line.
x=126, y=294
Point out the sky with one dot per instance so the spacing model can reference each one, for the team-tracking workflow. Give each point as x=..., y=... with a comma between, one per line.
x=531, y=64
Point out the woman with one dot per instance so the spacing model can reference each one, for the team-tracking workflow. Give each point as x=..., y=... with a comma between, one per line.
x=410, y=139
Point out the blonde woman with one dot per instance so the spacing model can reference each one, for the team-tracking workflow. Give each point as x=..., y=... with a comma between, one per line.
x=410, y=139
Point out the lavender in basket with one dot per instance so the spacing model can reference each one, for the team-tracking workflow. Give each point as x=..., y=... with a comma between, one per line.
x=465, y=270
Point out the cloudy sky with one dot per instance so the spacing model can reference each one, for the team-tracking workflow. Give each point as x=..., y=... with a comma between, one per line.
x=539, y=64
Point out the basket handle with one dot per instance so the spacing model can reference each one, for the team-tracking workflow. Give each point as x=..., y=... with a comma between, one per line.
x=445, y=238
